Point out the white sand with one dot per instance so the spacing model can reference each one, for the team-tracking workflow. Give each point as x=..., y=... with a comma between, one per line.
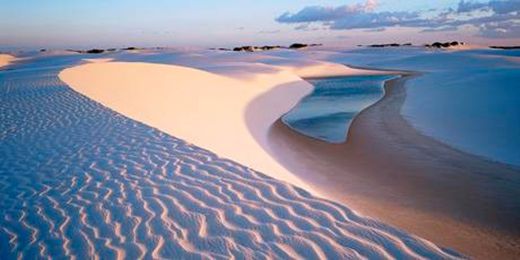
x=98, y=60
x=80, y=181
x=203, y=108
x=6, y=59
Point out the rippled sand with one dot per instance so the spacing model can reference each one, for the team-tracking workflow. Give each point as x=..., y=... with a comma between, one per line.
x=77, y=179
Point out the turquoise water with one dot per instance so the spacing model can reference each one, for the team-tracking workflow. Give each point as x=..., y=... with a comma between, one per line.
x=326, y=113
x=469, y=100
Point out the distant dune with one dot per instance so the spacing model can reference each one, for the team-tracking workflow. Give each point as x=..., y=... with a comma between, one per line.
x=5, y=59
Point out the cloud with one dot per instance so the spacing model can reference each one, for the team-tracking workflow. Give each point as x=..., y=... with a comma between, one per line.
x=303, y=27
x=504, y=29
x=440, y=29
x=499, y=7
x=380, y=29
x=495, y=18
x=323, y=14
x=307, y=27
x=468, y=6
x=375, y=20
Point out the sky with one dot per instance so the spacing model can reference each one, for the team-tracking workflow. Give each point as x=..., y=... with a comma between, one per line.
x=227, y=23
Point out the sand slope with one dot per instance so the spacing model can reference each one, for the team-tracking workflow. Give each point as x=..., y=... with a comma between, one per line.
x=201, y=107
x=79, y=180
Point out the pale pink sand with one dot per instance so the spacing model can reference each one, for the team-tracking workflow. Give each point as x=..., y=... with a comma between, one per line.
x=6, y=59
x=203, y=108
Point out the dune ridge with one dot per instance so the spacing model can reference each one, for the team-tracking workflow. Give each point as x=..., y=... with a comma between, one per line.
x=203, y=108
x=80, y=180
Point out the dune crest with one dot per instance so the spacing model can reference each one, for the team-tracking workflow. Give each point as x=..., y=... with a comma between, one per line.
x=203, y=108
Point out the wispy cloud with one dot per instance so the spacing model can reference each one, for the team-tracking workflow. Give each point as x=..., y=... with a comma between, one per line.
x=494, y=19
x=440, y=29
x=325, y=14
x=499, y=7
x=381, y=29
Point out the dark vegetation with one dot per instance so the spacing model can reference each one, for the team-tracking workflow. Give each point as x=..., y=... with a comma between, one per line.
x=505, y=47
x=250, y=48
x=95, y=51
x=440, y=45
x=254, y=48
x=99, y=51
x=384, y=45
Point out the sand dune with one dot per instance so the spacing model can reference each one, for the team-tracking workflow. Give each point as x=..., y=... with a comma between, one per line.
x=203, y=108
x=79, y=180
x=5, y=59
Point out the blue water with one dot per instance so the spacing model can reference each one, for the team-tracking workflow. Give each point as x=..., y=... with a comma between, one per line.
x=469, y=100
x=326, y=113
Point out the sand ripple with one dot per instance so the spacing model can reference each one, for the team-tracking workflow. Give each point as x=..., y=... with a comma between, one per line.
x=78, y=180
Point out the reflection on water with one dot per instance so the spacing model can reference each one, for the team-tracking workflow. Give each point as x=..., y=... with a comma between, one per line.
x=328, y=111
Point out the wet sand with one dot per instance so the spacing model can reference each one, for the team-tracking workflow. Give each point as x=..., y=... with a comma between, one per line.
x=389, y=171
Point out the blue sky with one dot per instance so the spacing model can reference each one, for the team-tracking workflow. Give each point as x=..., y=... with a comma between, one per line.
x=104, y=23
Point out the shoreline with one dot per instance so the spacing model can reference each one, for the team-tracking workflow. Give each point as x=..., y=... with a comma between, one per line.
x=390, y=74
x=387, y=166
